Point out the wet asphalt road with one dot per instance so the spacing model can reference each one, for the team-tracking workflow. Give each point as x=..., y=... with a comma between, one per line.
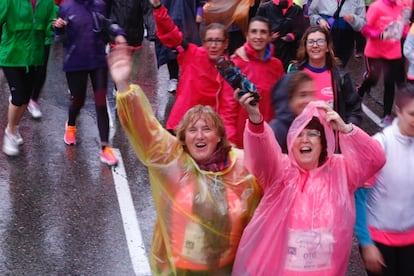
x=59, y=207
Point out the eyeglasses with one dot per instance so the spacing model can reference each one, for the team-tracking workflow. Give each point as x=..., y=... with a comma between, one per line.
x=211, y=41
x=310, y=133
x=319, y=42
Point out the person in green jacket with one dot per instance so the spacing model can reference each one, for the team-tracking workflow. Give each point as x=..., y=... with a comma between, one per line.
x=26, y=27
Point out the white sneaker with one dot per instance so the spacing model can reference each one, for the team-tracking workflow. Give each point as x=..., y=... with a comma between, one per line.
x=172, y=85
x=19, y=138
x=34, y=109
x=10, y=144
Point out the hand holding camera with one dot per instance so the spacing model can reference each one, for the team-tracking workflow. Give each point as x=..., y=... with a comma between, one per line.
x=232, y=74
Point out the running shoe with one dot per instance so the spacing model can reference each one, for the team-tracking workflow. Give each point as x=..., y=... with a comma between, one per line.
x=10, y=143
x=108, y=157
x=34, y=109
x=18, y=136
x=172, y=86
x=70, y=135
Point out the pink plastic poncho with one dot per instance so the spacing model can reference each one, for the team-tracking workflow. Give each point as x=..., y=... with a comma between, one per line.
x=304, y=222
x=200, y=214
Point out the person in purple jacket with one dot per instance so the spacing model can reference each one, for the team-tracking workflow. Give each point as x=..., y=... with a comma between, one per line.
x=88, y=31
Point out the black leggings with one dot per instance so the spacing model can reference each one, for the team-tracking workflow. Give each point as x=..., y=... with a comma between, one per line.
x=21, y=81
x=40, y=76
x=399, y=260
x=343, y=41
x=77, y=83
x=173, y=68
x=393, y=75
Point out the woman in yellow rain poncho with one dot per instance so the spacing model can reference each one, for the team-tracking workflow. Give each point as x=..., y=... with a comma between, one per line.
x=203, y=194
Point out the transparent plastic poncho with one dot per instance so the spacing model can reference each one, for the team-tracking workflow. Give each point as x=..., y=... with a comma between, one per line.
x=200, y=214
x=304, y=222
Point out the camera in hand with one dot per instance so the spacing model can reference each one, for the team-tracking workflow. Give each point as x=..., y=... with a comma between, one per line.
x=232, y=74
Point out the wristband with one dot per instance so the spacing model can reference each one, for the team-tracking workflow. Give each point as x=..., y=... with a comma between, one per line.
x=259, y=123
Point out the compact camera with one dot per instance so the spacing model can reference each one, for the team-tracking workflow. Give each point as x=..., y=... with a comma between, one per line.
x=232, y=74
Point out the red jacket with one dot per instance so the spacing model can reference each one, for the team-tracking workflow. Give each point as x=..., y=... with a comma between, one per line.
x=199, y=82
x=263, y=73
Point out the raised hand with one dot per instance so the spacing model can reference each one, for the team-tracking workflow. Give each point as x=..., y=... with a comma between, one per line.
x=253, y=110
x=119, y=62
x=336, y=122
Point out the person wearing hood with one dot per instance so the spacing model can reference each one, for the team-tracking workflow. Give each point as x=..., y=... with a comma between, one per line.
x=259, y=65
x=290, y=95
x=287, y=24
x=203, y=195
x=88, y=30
x=304, y=222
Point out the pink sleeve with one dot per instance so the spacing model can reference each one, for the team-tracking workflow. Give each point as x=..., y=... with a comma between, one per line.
x=363, y=155
x=263, y=156
x=370, y=32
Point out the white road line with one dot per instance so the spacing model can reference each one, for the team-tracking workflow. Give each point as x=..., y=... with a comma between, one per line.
x=371, y=115
x=129, y=218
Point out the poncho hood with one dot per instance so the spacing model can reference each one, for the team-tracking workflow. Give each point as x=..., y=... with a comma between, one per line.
x=311, y=110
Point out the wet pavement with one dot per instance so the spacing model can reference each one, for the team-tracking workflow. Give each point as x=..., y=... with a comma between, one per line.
x=60, y=211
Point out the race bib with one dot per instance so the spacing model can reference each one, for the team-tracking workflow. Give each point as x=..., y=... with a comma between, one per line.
x=309, y=250
x=193, y=245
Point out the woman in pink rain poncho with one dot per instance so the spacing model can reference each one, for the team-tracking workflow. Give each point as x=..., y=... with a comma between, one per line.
x=304, y=222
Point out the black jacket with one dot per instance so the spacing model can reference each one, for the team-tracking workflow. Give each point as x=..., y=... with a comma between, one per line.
x=292, y=22
x=133, y=16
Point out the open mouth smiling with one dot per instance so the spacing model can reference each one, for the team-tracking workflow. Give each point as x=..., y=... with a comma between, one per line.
x=305, y=149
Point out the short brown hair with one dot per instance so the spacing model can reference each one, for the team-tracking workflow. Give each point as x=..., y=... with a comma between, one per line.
x=296, y=78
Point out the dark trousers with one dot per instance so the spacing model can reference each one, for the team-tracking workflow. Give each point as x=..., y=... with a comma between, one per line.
x=399, y=260
x=21, y=81
x=40, y=77
x=393, y=73
x=343, y=42
x=77, y=83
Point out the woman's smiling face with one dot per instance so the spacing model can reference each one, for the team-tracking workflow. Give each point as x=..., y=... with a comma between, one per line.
x=316, y=47
x=201, y=139
x=307, y=148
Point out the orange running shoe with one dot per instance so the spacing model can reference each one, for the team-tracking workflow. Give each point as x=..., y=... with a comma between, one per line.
x=108, y=157
x=70, y=135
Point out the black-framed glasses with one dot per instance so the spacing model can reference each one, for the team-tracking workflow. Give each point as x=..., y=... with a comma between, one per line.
x=319, y=42
x=313, y=133
x=211, y=41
